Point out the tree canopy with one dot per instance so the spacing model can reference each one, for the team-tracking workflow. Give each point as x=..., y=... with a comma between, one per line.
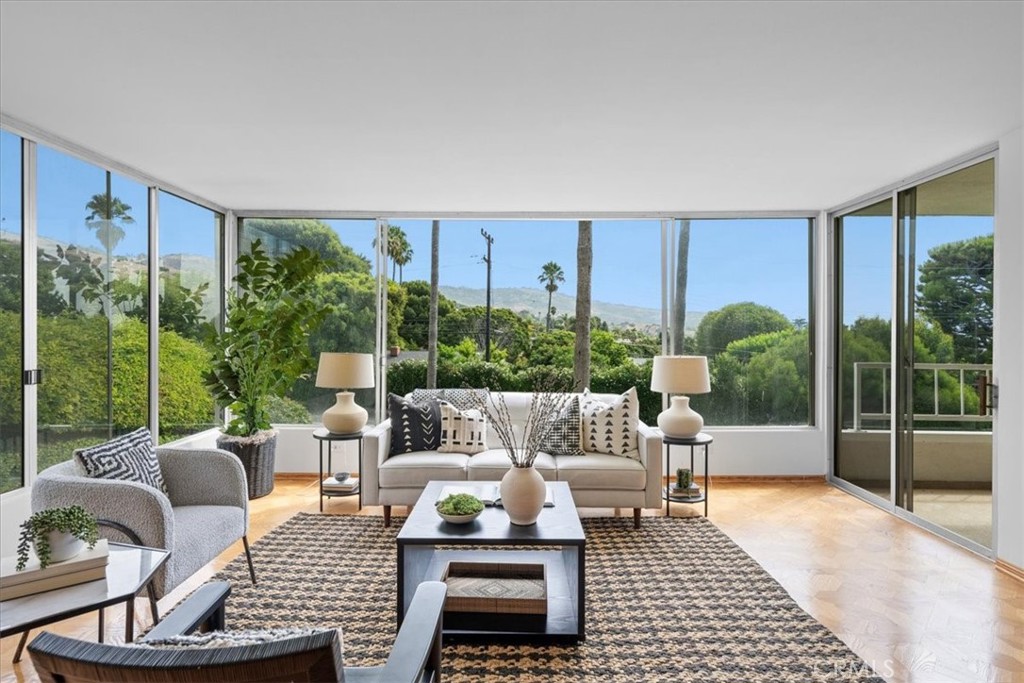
x=737, y=321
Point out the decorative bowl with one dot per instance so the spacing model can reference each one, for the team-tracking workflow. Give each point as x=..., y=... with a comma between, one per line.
x=459, y=519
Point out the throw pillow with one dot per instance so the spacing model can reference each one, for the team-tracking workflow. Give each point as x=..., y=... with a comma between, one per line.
x=462, y=431
x=610, y=427
x=463, y=399
x=128, y=458
x=564, y=437
x=215, y=639
x=414, y=426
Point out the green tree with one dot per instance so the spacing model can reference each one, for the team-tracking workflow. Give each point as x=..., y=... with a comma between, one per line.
x=955, y=290
x=108, y=217
x=736, y=321
x=49, y=301
x=313, y=234
x=403, y=256
x=551, y=274
x=416, y=321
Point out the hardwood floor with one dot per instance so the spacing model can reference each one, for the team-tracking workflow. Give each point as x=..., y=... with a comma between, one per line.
x=912, y=605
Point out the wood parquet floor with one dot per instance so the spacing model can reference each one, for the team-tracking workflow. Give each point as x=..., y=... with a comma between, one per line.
x=914, y=606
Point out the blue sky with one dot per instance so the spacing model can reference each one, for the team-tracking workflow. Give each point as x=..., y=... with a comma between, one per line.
x=761, y=260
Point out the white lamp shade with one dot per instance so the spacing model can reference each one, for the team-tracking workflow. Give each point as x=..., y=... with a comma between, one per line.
x=680, y=375
x=345, y=371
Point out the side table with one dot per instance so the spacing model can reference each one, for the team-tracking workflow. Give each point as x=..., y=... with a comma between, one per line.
x=325, y=437
x=701, y=439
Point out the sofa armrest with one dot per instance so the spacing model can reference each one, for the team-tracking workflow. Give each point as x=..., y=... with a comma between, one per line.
x=204, y=477
x=139, y=507
x=648, y=441
x=376, y=446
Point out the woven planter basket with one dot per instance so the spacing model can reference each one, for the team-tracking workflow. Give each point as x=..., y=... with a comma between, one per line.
x=257, y=456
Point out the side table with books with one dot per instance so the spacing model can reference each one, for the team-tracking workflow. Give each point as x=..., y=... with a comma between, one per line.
x=330, y=486
x=694, y=494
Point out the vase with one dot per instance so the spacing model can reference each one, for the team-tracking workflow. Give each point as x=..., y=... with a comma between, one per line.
x=64, y=546
x=257, y=454
x=522, y=495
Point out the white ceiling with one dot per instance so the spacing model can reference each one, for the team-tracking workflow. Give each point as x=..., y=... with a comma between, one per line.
x=518, y=106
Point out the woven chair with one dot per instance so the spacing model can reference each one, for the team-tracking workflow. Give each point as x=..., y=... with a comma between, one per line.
x=415, y=656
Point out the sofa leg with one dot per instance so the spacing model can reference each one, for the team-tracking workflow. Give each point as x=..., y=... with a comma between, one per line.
x=387, y=515
x=636, y=518
x=248, y=557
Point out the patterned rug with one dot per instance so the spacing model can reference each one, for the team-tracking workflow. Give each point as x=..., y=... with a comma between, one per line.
x=676, y=601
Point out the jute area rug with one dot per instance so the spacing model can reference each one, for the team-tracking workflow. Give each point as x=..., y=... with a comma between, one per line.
x=674, y=601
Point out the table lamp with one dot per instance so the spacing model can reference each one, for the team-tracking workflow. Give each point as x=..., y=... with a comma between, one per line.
x=680, y=375
x=345, y=371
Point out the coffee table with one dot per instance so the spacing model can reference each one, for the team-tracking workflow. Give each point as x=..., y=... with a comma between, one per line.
x=427, y=543
x=131, y=569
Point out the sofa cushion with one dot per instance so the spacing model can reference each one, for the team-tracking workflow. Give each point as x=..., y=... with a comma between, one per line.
x=462, y=431
x=419, y=468
x=601, y=471
x=610, y=427
x=564, y=437
x=463, y=399
x=492, y=464
x=414, y=426
x=130, y=457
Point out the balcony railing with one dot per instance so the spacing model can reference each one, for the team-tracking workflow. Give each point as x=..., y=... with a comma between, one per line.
x=958, y=370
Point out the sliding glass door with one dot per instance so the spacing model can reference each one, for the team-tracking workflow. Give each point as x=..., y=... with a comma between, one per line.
x=914, y=351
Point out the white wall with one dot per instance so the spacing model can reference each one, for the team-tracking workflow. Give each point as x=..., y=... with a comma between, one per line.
x=1007, y=358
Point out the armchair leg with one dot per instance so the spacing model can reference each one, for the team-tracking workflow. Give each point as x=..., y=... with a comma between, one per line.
x=387, y=515
x=21, y=647
x=248, y=557
x=636, y=518
x=152, y=603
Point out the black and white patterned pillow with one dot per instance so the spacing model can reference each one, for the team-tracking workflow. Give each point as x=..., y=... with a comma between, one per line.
x=564, y=437
x=462, y=431
x=463, y=399
x=128, y=458
x=610, y=428
x=414, y=426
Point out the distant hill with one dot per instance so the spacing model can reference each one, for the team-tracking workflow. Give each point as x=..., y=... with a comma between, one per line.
x=535, y=301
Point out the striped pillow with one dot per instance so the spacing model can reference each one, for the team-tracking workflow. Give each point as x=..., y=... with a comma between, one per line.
x=128, y=458
x=462, y=431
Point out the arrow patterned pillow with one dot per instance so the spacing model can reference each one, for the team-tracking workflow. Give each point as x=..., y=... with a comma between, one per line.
x=414, y=426
x=610, y=428
x=129, y=458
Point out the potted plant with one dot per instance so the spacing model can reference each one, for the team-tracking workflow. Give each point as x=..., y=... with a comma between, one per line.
x=262, y=350
x=58, y=534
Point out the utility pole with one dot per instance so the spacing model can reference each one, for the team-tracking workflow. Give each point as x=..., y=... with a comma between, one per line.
x=487, y=321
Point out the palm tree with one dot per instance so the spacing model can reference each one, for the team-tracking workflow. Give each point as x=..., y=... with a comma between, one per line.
x=584, y=263
x=550, y=275
x=402, y=256
x=396, y=240
x=435, y=239
x=682, y=272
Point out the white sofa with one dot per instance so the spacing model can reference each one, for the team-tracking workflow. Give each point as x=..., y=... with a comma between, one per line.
x=596, y=479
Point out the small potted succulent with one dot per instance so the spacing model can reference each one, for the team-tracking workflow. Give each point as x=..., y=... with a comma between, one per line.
x=57, y=534
x=684, y=477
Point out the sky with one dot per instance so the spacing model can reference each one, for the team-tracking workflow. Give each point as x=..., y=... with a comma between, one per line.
x=731, y=260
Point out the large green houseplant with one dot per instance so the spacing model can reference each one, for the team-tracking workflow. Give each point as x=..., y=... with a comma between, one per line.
x=262, y=350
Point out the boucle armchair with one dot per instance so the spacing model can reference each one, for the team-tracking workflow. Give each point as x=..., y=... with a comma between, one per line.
x=206, y=508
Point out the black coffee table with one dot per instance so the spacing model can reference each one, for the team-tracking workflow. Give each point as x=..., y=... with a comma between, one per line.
x=427, y=543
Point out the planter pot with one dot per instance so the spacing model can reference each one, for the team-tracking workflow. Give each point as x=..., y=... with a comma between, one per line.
x=393, y=351
x=63, y=546
x=522, y=495
x=257, y=456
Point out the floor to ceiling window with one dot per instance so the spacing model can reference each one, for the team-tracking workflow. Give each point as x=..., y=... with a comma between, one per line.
x=741, y=295
x=12, y=468
x=191, y=294
x=914, y=406
x=93, y=239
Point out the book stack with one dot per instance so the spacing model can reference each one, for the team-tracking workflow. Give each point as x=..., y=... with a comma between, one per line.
x=88, y=565
x=332, y=485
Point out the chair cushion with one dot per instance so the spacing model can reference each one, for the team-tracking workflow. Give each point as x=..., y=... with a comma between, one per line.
x=201, y=532
x=215, y=639
x=130, y=457
x=610, y=427
x=414, y=426
x=462, y=431
x=491, y=465
x=418, y=469
x=601, y=471
x=564, y=437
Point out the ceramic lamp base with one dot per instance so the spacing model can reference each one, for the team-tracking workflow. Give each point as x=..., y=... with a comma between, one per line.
x=680, y=420
x=345, y=416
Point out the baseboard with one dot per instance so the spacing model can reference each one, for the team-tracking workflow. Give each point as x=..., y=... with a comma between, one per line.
x=294, y=476
x=1010, y=569
x=758, y=478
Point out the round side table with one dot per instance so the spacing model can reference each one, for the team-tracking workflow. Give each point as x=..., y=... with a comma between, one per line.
x=701, y=439
x=325, y=437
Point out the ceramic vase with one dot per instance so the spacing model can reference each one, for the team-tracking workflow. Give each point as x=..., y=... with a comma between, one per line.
x=522, y=495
